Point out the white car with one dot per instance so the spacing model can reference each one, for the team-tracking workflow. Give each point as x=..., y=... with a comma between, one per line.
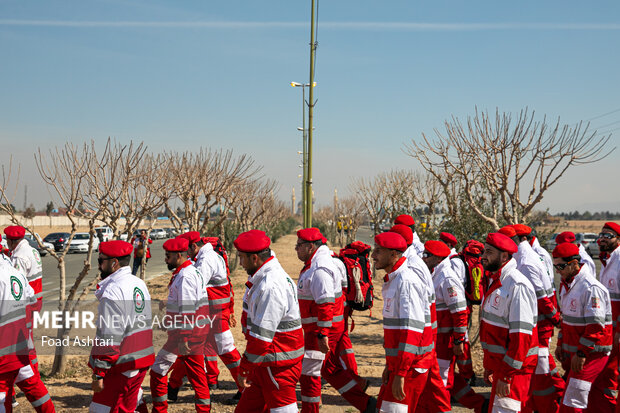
x=107, y=232
x=158, y=233
x=79, y=243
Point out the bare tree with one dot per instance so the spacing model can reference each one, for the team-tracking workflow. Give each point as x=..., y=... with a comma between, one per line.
x=202, y=180
x=350, y=212
x=372, y=196
x=513, y=162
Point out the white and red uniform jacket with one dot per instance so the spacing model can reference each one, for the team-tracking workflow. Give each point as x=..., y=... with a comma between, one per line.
x=408, y=339
x=27, y=260
x=187, y=308
x=587, y=260
x=417, y=245
x=530, y=264
x=451, y=303
x=124, y=333
x=212, y=267
x=418, y=266
x=586, y=315
x=508, y=328
x=273, y=322
x=610, y=278
x=341, y=282
x=317, y=294
x=546, y=257
x=16, y=303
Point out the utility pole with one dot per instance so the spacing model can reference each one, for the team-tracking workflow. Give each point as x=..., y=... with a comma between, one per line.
x=308, y=184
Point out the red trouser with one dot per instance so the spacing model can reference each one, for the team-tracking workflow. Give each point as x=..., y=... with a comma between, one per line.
x=272, y=388
x=455, y=383
x=29, y=381
x=580, y=386
x=437, y=399
x=7, y=380
x=120, y=393
x=347, y=355
x=518, y=397
x=220, y=343
x=547, y=386
x=316, y=365
x=195, y=368
x=415, y=384
x=466, y=368
x=603, y=395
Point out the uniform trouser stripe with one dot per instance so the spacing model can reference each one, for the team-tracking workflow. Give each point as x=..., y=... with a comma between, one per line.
x=159, y=399
x=462, y=392
x=41, y=401
x=347, y=387
x=233, y=365
x=307, y=399
x=203, y=401
x=544, y=392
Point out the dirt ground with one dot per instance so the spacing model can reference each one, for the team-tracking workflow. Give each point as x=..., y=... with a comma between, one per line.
x=71, y=393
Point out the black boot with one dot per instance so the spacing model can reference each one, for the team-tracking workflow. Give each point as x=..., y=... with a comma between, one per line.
x=233, y=400
x=371, y=407
x=173, y=394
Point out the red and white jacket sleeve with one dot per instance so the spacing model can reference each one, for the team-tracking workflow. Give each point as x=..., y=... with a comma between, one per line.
x=182, y=306
x=109, y=330
x=454, y=296
x=412, y=346
x=322, y=289
x=597, y=314
x=521, y=319
x=267, y=313
x=546, y=306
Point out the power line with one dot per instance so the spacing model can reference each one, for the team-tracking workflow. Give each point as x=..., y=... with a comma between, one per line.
x=608, y=131
x=609, y=124
x=604, y=114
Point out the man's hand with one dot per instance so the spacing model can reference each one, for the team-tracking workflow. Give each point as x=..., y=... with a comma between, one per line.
x=503, y=388
x=398, y=387
x=577, y=363
x=232, y=320
x=559, y=354
x=488, y=376
x=385, y=376
x=243, y=381
x=184, y=348
x=458, y=349
x=324, y=345
x=97, y=385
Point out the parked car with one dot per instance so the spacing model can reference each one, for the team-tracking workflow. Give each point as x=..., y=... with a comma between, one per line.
x=107, y=232
x=34, y=244
x=58, y=239
x=550, y=245
x=80, y=240
x=171, y=232
x=588, y=240
x=158, y=233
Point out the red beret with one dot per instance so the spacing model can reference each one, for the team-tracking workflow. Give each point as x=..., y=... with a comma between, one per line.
x=210, y=240
x=502, y=242
x=448, y=238
x=191, y=236
x=521, y=229
x=474, y=247
x=115, y=248
x=176, y=245
x=324, y=240
x=565, y=236
x=252, y=241
x=404, y=220
x=310, y=234
x=391, y=240
x=508, y=231
x=404, y=232
x=437, y=248
x=609, y=225
x=565, y=250
x=15, y=232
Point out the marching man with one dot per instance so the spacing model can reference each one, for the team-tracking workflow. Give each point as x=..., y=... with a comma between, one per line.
x=410, y=222
x=584, y=343
x=609, y=241
x=569, y=236
x=408, y=339
x=27, y=260
x=187, y=313
x=323, y=323
x=271, y=365
x=508, y=328
x=123, y=351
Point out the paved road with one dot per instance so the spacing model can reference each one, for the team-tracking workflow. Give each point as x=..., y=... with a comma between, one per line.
x=75, y=262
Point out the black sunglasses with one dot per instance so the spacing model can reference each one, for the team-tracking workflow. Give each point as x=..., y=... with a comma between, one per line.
x=561, y=266
x=101, y=260
x=606, y=235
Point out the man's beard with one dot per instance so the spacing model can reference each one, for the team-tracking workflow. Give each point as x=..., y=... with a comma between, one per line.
x=493, y=266
x=172, y=267
x=105, y=274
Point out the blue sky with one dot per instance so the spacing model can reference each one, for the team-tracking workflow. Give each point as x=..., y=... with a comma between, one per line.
x=181, y=74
